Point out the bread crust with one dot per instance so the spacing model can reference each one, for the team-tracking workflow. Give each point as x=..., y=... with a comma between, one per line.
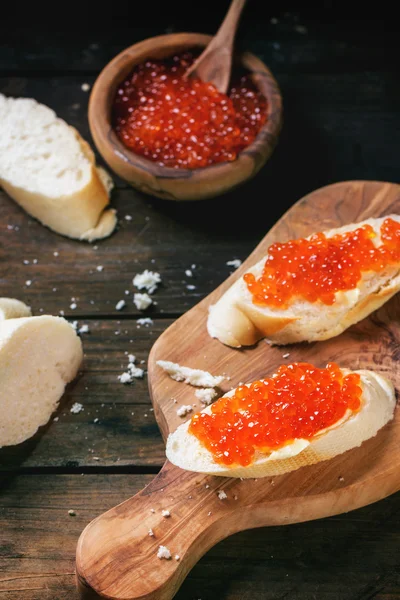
x=378, y=404
x=81, y=215
x=236, y=321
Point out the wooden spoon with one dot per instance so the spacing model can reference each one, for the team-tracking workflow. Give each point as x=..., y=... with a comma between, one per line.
x=215, y=63
x=117, y=552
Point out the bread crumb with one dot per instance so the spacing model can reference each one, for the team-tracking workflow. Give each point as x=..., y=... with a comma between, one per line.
x=273, y=21
x=72, y=513
x=194, y=377
x=207, y=486
x=84, y=329
x=177, y=557
x=286, y=355
x=99, y=268
x=85, y=87
x=76, y=408
x=221, y=495
x=193, y=267
x=190, y=287
x=26, y=262
x=147, y=280
x=206, y=395
x=73, y=305
x=301, y=29
x=28, y=283
x=163, y=552
x=56, y=419
x=146, y=321
x=165, y=513
x=209, y=514
x=152, y=510
x=128, y=218
x=55, y=253
x=188, y=273
x=341, y=478
x=142, y=301
x=150, y=533
x=184, y=410
x=235, y=263
x=120, y=305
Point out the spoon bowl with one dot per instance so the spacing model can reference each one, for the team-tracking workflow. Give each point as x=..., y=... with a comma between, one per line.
x=167, y=182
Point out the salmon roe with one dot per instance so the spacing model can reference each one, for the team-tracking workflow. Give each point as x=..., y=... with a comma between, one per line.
x=316, y=268
x=298, y=401
x=185, y=123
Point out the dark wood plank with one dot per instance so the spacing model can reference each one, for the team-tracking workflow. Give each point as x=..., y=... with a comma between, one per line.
x=125, y=434
x=336, y=127
x=351, y=557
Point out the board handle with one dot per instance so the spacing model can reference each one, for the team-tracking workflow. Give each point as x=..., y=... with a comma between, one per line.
x=117, y=553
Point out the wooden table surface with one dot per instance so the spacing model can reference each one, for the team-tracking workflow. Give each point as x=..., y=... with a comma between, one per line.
x=340, y=85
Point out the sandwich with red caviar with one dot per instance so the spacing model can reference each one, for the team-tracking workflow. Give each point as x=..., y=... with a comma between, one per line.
x=299, y=416
x=313, y=288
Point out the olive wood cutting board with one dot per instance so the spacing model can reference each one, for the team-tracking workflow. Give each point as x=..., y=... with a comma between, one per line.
x=116, y=556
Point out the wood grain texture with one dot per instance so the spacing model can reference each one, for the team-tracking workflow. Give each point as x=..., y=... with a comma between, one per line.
x=114, y=556
x=347, y=557
x=215, y=62
x=166, y=182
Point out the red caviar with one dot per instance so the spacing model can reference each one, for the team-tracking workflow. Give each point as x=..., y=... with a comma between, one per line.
x=298, y=401
x=317, y=268
x=185, y=123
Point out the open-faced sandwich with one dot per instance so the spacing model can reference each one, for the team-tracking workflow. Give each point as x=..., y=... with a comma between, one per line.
x=299, y=416
x=312, y=289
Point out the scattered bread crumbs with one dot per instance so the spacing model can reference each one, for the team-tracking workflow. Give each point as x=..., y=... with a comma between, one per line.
x=142, y=301
x=132, y=372
x=73, y=305
x=99, y=268
x=76, y=408
x=120, y=305
x=150, y=533
x=146, y=321
x=194, y=377
x=188, y=273
x=235, y=263
x=184, y=410
x=72, y=513
x=206, y=395
x=148, y=280
x=163, y=552
x=165, y=513
x=26, y=262
x=221, y=495
x=85, y=87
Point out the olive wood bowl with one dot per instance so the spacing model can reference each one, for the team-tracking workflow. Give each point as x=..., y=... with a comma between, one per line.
x=167, y=182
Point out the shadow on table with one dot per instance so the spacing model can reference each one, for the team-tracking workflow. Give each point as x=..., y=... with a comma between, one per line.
x=299, y=165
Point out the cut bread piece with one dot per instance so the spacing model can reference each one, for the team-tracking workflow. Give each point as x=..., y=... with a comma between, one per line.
x=38, y=357
x=377, y=408
x=236, y=321
x=11, y=308
x=50, y=171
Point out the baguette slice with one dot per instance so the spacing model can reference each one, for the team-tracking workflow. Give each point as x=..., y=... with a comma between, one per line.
x=38, y=357
x=378, y=404
x=50, y=171
x=236, y=321
x=11, y=308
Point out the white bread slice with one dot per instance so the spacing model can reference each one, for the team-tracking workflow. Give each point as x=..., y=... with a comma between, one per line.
x=236, y=321
x=38, y=357
x=378, y=403
x=11, y=308
x=50, y=171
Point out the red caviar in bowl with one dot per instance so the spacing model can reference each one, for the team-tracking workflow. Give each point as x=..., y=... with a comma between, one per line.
x=185, y=123
x=298, y=401
x=316, y=268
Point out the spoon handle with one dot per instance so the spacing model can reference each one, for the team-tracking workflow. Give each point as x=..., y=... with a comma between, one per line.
x=215, y=63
